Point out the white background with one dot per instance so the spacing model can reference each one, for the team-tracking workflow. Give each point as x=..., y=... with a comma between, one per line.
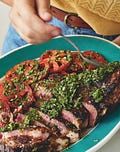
x=114, y=144
x=4, y=21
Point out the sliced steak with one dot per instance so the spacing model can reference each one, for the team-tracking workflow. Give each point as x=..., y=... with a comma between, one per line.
x=111, y=96
x=48, y=134
x=59, y=126
x=92, y=112
x=70, y=117
x=77, y=117
x=54, y=122
x=43, y=93
x=83, y=115
x=24, y=140
x=56, y=142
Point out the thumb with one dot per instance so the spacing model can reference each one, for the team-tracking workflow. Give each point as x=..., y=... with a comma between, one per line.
x=43, y=7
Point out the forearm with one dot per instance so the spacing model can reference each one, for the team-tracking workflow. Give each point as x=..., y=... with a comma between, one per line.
x=8, y=2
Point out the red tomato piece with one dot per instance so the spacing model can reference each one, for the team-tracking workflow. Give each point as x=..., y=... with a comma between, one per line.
x=21, y=93
x=56, y=61
x=4, y=101
x=2, y=125
x=10, y=75
x=76, y=65
x=93, y=55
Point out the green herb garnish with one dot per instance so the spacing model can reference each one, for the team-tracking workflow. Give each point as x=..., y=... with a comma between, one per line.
x=98, y=95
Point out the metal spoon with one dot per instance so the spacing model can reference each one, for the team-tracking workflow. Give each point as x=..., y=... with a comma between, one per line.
x=91, y=61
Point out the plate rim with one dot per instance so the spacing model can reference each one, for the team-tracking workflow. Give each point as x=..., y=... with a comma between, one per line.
x=116, y=127
x=105, y=139
x=85, y=35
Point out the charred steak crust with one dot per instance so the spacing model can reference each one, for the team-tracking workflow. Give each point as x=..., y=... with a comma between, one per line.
x=24, y=140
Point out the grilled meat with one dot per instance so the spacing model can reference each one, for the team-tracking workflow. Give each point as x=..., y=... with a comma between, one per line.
x=24, y=140
x=65, y=109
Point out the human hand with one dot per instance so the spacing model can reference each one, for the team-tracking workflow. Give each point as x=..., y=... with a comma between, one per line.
x=29, y=17
x=117, y=40
x=8, y=2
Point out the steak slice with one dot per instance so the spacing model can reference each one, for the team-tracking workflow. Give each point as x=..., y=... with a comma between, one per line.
x=24, y=140
x=53, y=122
x=92, y=113
x=70, y=117
x=77, y=117
x=111, y=97
x=59, y=127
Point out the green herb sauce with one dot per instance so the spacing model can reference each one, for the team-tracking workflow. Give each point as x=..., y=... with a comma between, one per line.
x=98, y=95
x=31, y=116
x=64, y=92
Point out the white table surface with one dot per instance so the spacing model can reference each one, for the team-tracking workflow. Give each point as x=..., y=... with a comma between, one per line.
x=114, y=144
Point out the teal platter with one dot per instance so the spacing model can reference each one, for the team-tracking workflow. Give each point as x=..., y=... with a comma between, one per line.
x=110, y=124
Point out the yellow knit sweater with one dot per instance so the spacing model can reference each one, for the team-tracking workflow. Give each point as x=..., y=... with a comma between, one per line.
x=102, y=15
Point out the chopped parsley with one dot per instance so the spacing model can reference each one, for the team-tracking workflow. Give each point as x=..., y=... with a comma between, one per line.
x=64, y=92
x=31, y=116
x=98, y=94
x=9, y=127
x=63, y=95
